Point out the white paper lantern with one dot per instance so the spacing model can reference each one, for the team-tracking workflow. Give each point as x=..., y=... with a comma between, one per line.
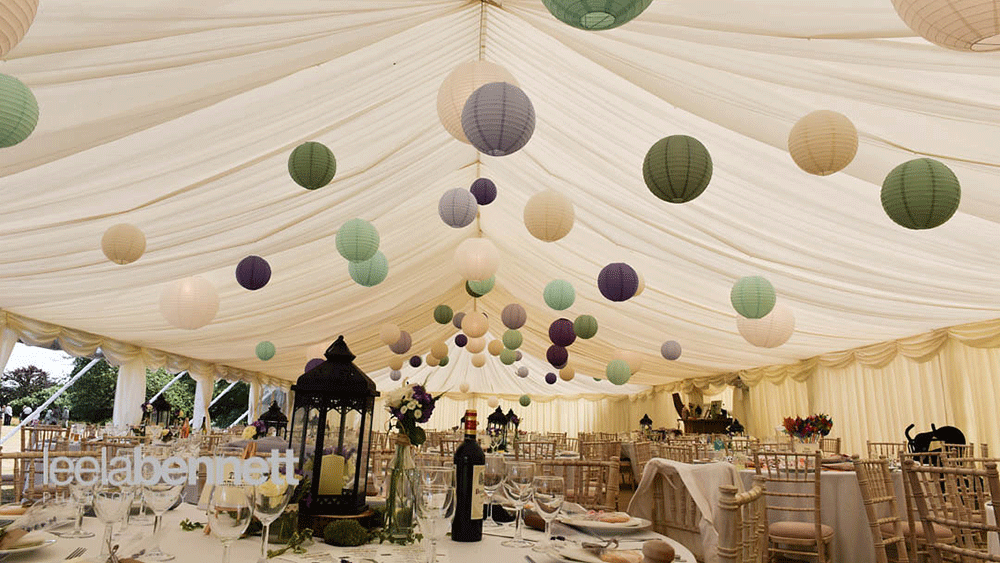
x=633, y=359
x=475, y=325
x=15, y=19
x=395, y=375
x=549, y=215
x=189, y=303
x=963, y=25
x=522, y=371
x=476, y=345
x=498, y=119
x=770, y=331
x=823, y=142
x=476, y=259
x=464, y=387
x=387, y=333
x=479, y=360
x=493, y=402
x=458, y=208
x=459, y=85
x=123, y=243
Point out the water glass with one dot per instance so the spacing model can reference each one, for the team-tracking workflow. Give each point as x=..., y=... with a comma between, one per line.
x=548, y=494
x=230, y=509
x=270, y=500
x=517, y=486
x=111, y=504
x=493, y=475
x=82, y=495
x=435, y=503
x=160, y=497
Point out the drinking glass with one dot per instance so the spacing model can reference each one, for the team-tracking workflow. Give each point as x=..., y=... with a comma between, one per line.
x=517, y=486
x=549, y=493
x=270, y=500
x=82, y=495
x=435, y=503
x=492, y=477
x=160, y=497
x=230, y=509
x=111, y=503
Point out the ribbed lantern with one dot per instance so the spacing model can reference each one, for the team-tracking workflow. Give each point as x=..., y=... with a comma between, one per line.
x=189, y=303
x=518, y=355
x=312, y=165
x=752, y=297
x=415, y=361
x=524, y=400
x=463, y=387
x=633, y=359
x=963, y=25
x=444, y=361
x=557, y=355
x=513, y=316
x=561, y=332
x=395, y=375
x=618, y=372
x=459, y=85
x=493, y=402
x=461, y=340
x=476, y=259
x=456, y=320
x=478, y=360
x=371, y=272
x=402, y=345
x=512, y=339
x=481, y=287
x=253, y=272
x=677, y=169
x=357, y=240
x=439, y=350
x=522, y=372
x=443, y=314
x=771, y=331
x=921, y=194
x=458, y=208
x=507, y=357
x=475, y=324
x=617, y=281
x=432, y=360
x=396, y=362
x=823, y=142
x=549, y=215
x=559, y=295
x=18, y=111
x=670, y=350
x=567, y=373
x=585, y=326
x=15, y=19
x=551, y=378
x=123, y=243
x=484, y=190
x=595, y=15
x=498, y=119
x=388, y=334
x=312, y=364
x=495, y=347
x=476, y=345
x=265, y=350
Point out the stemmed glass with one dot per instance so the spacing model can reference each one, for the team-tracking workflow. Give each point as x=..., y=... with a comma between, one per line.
x=230, y=509
x=435, y=503
x=82, y=494
x=111, y=503
x=517, y=485
x=270, y=500
x=549, y=493
x=160, y=497
x=492, y=477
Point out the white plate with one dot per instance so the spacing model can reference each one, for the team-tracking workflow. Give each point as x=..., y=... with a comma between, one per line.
x=630, y=526
x=577, y=554
x=40, y=545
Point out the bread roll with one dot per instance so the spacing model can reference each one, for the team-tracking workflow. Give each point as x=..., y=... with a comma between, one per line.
x=657, y=551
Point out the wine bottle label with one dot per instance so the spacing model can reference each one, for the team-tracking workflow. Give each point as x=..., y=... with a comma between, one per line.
x=478, y=492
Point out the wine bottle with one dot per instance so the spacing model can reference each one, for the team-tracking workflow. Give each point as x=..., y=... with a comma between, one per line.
x=470, y=496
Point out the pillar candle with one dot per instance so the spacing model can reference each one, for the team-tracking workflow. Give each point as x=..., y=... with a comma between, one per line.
x=331, y=477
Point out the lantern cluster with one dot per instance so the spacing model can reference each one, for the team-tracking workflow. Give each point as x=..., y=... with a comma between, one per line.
x=358, y=241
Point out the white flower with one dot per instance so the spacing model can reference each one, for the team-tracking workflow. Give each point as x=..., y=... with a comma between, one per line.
x=394, y=398
x=249, y=432
x=417, y=414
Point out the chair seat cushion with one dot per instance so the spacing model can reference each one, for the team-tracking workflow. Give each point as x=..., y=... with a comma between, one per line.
x=797, y=530
x=940, y=532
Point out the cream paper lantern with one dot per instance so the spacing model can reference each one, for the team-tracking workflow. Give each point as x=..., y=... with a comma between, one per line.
x=15, y=19
x=439, y=350
x=633, y=359
x=459, y=85
x=823, y=142
x=387, y=333
x=432, y=360
x=642, y=284
x=963, y=25
x=549, y=215
x=464, y=387
x=495, y=347
x=189, y=303
x=123, y=243
x=567, y=373
x=475, y=325
x=396, y=363
x=770, y=331
x=476, y=345
x=493, y=402
x=476, y=259
x=479, y=360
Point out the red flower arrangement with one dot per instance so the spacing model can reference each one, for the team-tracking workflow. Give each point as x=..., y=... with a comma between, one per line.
x=808, y=427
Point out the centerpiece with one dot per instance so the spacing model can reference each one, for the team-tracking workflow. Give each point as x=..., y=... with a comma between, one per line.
x=408, y=406
x=496, y=429
x=808, y=431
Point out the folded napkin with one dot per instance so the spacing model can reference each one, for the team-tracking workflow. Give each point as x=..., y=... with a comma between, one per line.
x=842, y=466
x=575, y=553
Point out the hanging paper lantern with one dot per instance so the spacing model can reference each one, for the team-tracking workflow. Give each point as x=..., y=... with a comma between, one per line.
x=495, y=347
x=557, y=355
x=618, y=372
x=671, y=350
x=476, y=345
x=402, y=345
x=633, y=359
x=966, y=25
x=415, y=361
x=312, y=165
x=123, y=243
x=585, y=326
x=459, y=85
x=388, y=334
x=18, y=111
x=371, y=272
x=461, y=340
x=439, y=350
x=617, y=281
x=476, y=259
x=498, y=119
x=484, y=190
x=823, y=142
x=312, y=364
x=524, y=400
x=15, y=19
x=507, y=357
x=677, y=169
x=458, y=208
x=549, y=215
x=464, y=387
x=512, y=339
x=480, y=288
x=253, y=272
x=357, y=240
x=432, y=361
x=444, y=361
x=752, y=296
x=475, y=325
x=770, y=331
x=265, y=350
x=493, y=402
x=395, y=375
x=559, y=294
x=513, y=316
x=595, y=15
x=457, y=319
x=567, y=373
x=550, y=378
x=443, y=314
x=396, y=362
x=518, y=356
x=478, y=360
x=561, y=332
x=921, y=194
x=522, y=371
x=642, y=283
x=189, y=303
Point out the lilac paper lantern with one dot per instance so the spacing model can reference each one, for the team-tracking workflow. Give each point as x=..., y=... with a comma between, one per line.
x=561, y=332
x=395, y=375
x=498, y=119
x=671, y=350
x=253, y=272
x=485, y=191
x=518, y=356
x=550, y=378
x=457, y=319
x=557, y=355
x=458, y=208
x=461, y=340
x=513, y=316
x=618, y=281
x=402, y=345
x=415, y=361
x=312, y=364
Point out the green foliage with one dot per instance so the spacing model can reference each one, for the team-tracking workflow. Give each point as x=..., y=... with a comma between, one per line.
x=92, y=397
x=230, y=406
x=24, y=382
x=180, y=395
x=346, y=533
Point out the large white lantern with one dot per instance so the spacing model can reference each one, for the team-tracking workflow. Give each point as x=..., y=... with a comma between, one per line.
x=549, y=215
x=476, y=345
x=823, y=142
x=963, y=25
x=479, y=360
x=476, y=259
x=15, y=19
x=770, y=331
x=388, y=333
x=459, y=85
x=189, y=303
x=633, y=359
x=123, y=243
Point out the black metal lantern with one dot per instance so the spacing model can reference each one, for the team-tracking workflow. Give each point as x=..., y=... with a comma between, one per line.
x=161, y=412
x=646, y=425
x=496, y=429
x=331, y=432
x=275, y=419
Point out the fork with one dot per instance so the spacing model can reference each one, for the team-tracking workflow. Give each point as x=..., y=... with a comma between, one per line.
x=76, y=553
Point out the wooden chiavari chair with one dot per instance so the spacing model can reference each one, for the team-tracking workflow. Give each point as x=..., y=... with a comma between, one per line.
x=591, y=484
x=643, y=453
x=829, y=446
x=793, y=486
x=742, y=445
x=681, y=453
x=38, y=438
x=29, y=473
x=913, y=528
x=879, y=497
x=888, y=450
x=674, y=509
x=534, y=450
x=448, y=446
x=743, y=524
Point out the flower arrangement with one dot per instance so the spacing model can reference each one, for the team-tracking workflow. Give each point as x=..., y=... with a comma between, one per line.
x=809, y=427
x=256, y=430
x=410, y=405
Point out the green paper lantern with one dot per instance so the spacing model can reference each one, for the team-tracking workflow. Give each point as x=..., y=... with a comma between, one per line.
x=753, y=297
x=585, y=326
x=312, y=165
x=677, y=168
x=479, y=288
x=508, y=356
x=595, y=15
x=921, y=194
x=512, y=339
x=443, y=362
x=618, y=372
x=18, y=111
x=370, y=272
x=524, y=400
x=443, y=314
x=559, y=294
x=265, y=350
x=357, y=240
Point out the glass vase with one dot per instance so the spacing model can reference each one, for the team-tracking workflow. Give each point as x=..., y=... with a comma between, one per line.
x=285, y=525
x=401, y=497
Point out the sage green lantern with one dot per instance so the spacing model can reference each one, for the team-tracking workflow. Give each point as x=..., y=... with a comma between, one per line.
x=479, y=288
x=443, y=314
x=508, y=356
x=596, y=14
x=618, y=372
x=559, y=294
x=312, y=165
x=677, y=168
x=369, y=272
x=357, y=240
x=753, y=297
x=524, y=400
x=512, y=339
x=18, y=111
x=585, y=326
x=265, y=350
x=921, y=194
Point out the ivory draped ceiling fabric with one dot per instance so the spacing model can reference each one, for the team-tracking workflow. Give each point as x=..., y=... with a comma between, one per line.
x=179, y=118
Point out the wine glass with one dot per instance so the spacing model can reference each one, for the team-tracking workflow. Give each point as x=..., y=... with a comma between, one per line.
x=493, y=475
x=270, y=500
x=435, y=503
x=111, y=504
x=160, y=497
x=82, y=494
x=230, y=509
x=517, y=486
x=549, y=493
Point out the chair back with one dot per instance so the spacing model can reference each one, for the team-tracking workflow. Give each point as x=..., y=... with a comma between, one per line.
x=449, y=445
x=959, y=451
x=743, y=524
x=677, y=452
x=741, y=445
x=879, y=497
x=793, y=482
x=591, y=484
x=830, y=445
x=674, y=508
x=600, y=451
x=38, y=438
x=29, y=473
x=888, y=450
x=535, y=450
x=643, y=453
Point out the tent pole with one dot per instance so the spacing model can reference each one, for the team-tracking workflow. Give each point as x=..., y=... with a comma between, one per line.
x=239, y=419
x=172, y=381
x=220, y=395
x=35, y=413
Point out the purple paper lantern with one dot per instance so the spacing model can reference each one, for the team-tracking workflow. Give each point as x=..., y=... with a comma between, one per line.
x=550, y=378
x=415, y=361
x=618, y=281
x=457, y=319
x=561, y=332
x=253, y=272
x=514, y=316
x=461, y=340
x=485, y=191
x=402, y=345
x=518, y=356
x=313, y=363
x=557, y=355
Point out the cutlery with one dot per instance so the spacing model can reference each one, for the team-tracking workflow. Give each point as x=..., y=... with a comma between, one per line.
x=76, y=553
